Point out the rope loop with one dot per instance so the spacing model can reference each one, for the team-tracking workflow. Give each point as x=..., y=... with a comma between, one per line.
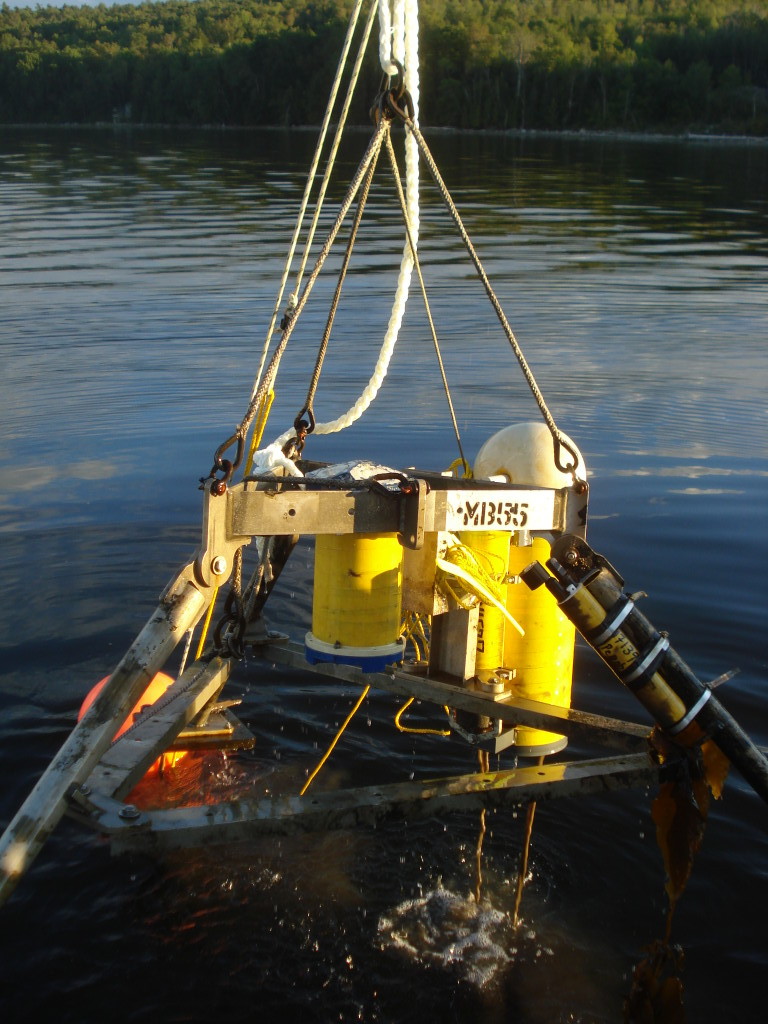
x=305, y=426
x=560, y=443
x=399, y=89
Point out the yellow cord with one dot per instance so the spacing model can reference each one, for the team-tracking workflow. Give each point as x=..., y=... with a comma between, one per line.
x=419, y=625
x=418, y=732
x=335, y=740
x=408, y=634
x=259, y=427
x=206, y=624
x=413, y=629
x=462, y=565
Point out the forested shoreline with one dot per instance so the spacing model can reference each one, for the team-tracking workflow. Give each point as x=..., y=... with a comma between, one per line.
x=605, y=65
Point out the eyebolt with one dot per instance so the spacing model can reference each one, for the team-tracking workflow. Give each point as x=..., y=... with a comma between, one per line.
x=219, y=565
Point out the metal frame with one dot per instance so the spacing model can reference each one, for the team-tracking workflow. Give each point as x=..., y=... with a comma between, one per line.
x=424, y=503
x=99, y=802
x=92, y=775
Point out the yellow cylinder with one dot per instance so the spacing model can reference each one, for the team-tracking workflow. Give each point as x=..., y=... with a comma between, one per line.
x=492, y=551
x=356, y=607
x=543, y=658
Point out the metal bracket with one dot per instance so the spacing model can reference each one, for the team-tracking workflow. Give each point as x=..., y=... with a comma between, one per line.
x=627, y=737
x=413, y=515
x=214, y=561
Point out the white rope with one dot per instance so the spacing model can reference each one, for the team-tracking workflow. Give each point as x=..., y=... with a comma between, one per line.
x=293, y=298
x=398, y=38
x=385, y=38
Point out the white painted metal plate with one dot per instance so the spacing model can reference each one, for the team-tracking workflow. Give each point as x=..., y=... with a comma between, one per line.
x=516, y=509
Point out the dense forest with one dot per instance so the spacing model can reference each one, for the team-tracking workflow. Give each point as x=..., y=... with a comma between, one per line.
x=632, y=65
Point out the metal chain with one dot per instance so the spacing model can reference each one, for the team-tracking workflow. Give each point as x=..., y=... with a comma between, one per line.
x=230, y=630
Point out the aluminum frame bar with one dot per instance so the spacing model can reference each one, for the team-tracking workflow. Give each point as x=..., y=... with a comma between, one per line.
x=241, y=820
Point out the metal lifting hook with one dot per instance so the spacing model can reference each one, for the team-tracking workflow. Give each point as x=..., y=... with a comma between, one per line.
x=303, y=427
x=393, y=100
x=224, y=466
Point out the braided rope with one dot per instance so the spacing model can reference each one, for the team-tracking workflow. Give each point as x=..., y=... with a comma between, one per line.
x=374, y=146
x=398, y=40
x=313, y=169
x=427, y=309
x=559, y=438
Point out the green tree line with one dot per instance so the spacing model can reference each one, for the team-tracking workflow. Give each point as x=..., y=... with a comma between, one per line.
x=634, y=65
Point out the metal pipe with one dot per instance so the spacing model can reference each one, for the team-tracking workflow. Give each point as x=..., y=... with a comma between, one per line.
x=590, y=592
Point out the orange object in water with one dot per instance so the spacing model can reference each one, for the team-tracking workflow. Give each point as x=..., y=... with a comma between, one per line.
x=153, y=693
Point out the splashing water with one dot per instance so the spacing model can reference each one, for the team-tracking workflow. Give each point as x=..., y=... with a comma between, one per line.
x=449, y=930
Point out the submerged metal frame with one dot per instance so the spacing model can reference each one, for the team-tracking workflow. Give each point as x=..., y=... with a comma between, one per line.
x=130, y=829
x=91, y=776
x=99, y=803
x=426, y=504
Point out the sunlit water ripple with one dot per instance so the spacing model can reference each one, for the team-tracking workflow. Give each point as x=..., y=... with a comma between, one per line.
x=138, y=271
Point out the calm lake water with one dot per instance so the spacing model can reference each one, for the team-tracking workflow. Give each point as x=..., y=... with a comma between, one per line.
x=138, y=273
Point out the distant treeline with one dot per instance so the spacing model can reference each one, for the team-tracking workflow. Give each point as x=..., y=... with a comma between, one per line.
x=636, y=65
